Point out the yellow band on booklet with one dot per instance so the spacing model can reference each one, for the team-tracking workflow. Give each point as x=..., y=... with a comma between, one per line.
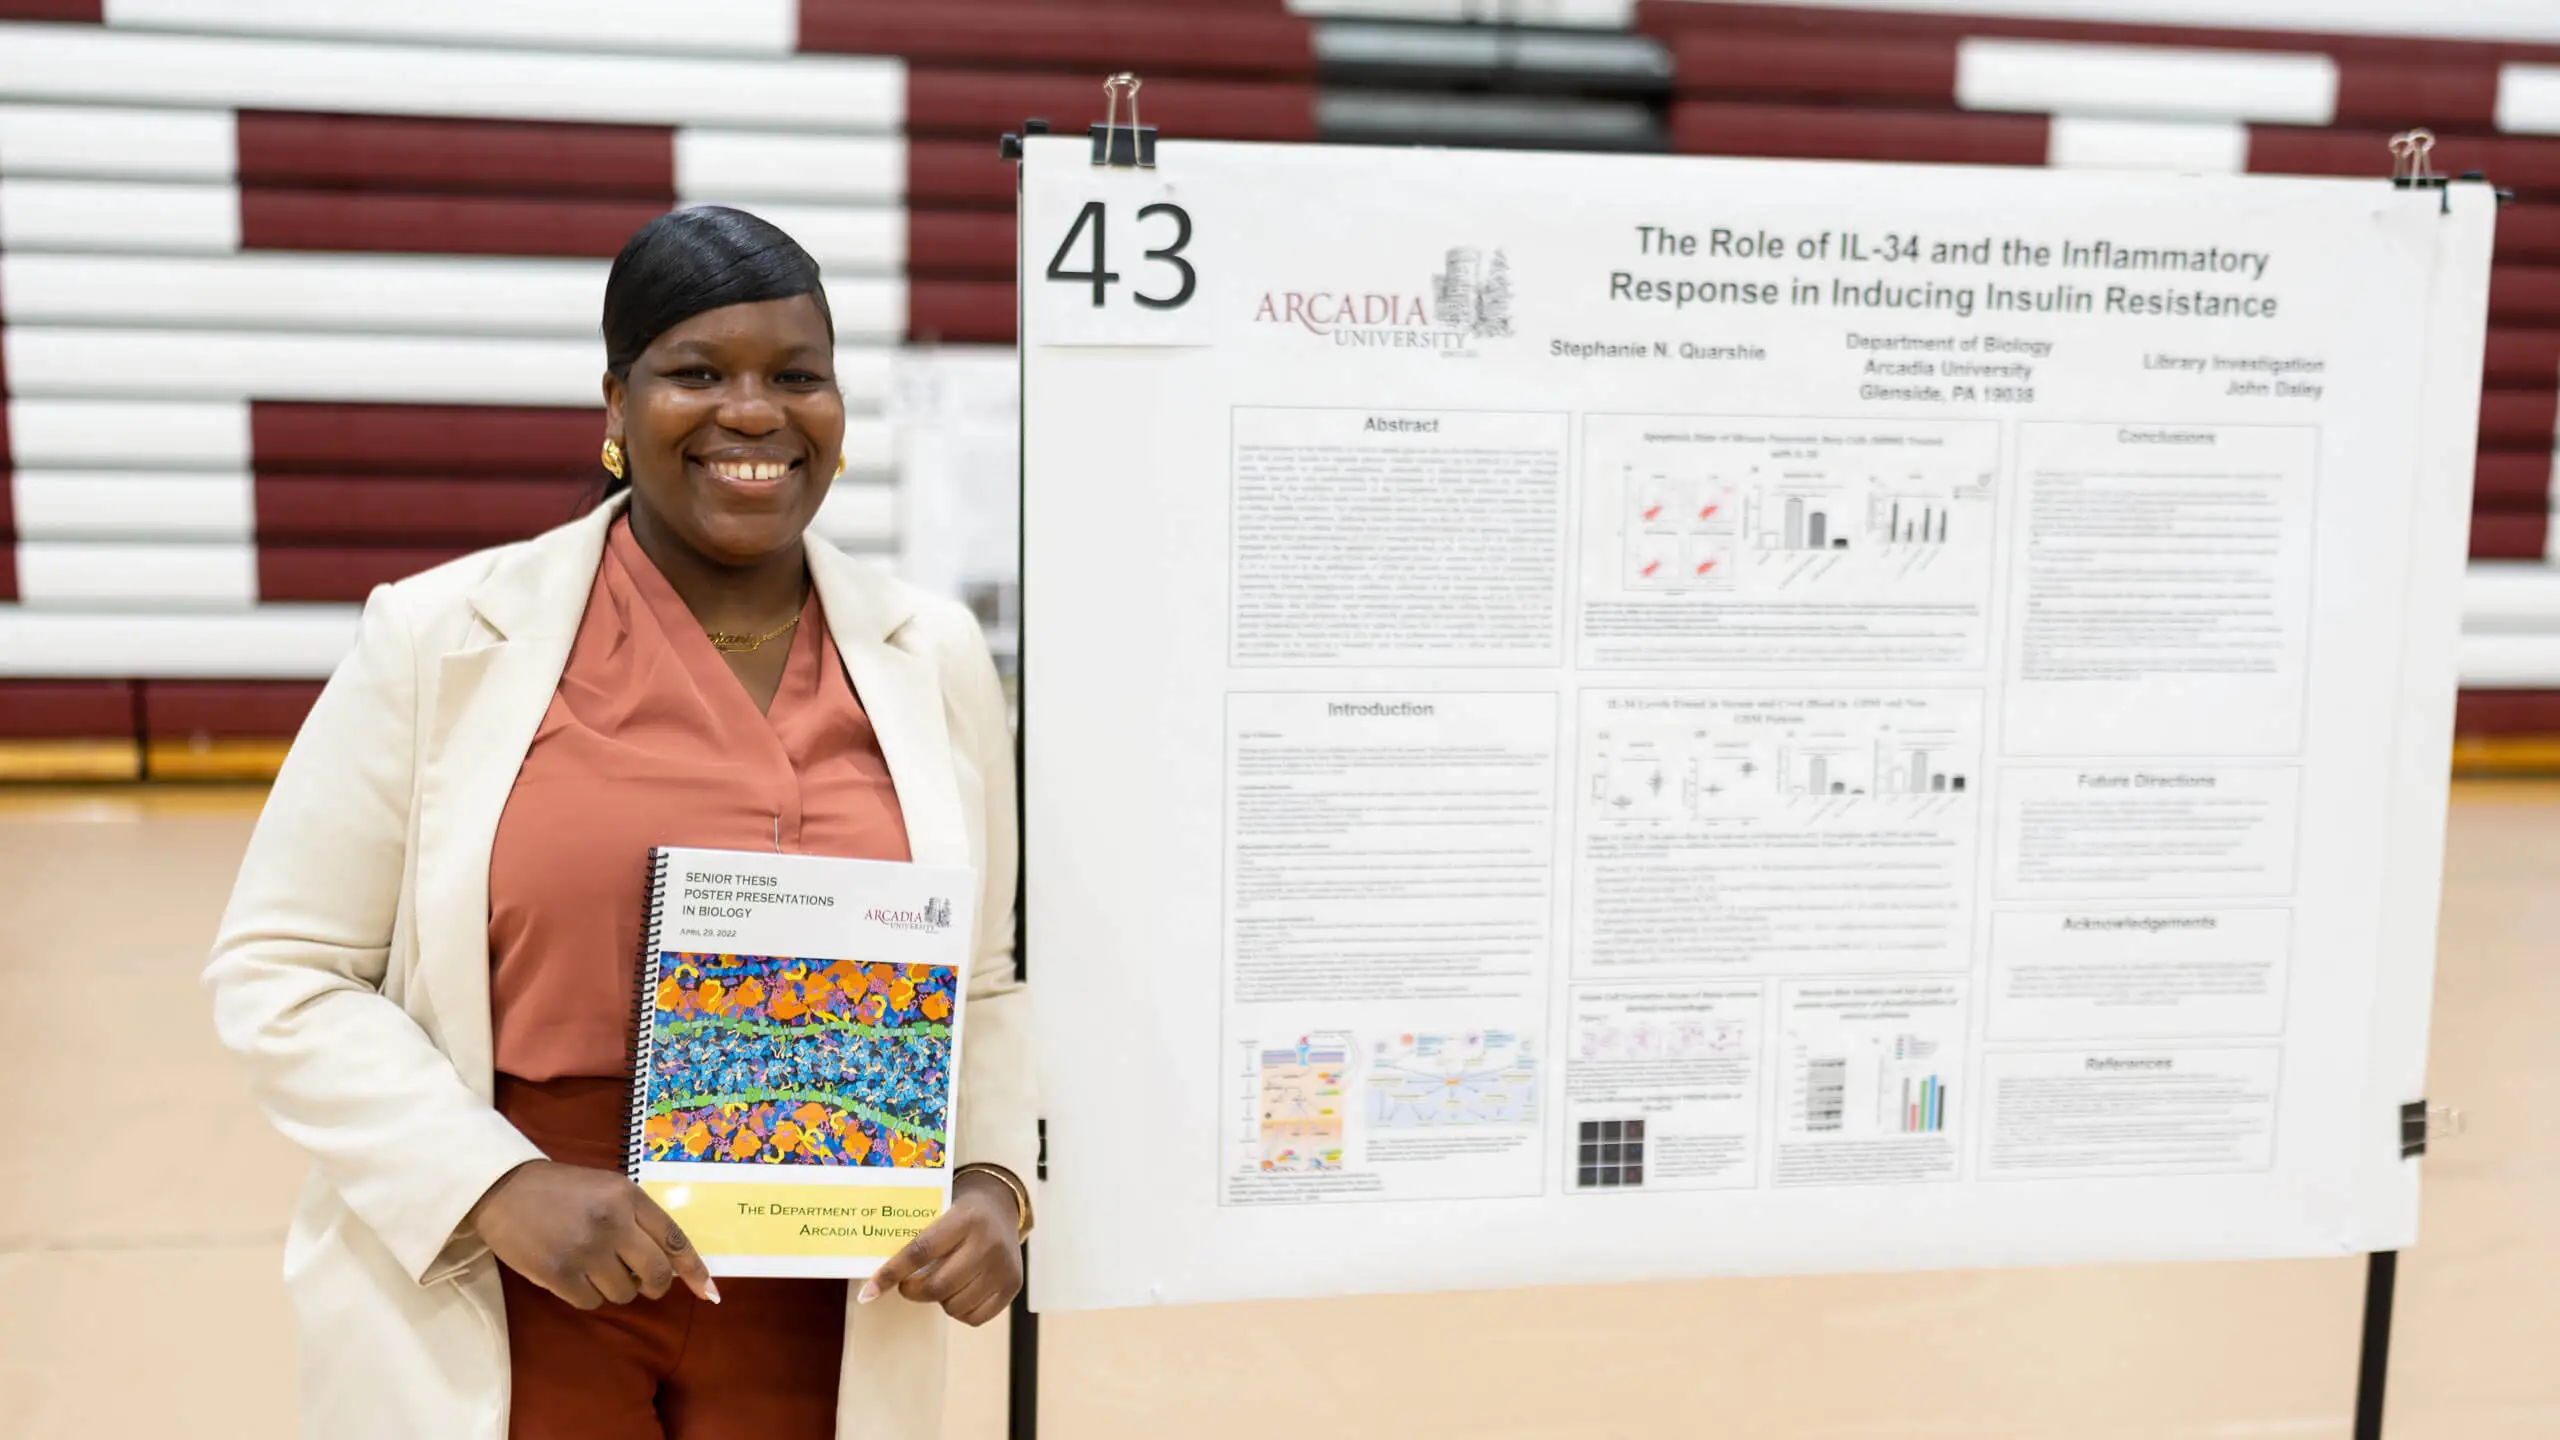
x=856, y=1221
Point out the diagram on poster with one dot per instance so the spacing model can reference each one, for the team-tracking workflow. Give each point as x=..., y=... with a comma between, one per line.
x=1300, y=1096
x=1479, y=1077
x=1419, y=1113
x=1867, y=797
x=1873, y=1072
x=1791, y=543
x=1666, y=1087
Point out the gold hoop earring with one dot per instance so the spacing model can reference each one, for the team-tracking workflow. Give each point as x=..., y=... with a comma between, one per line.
x=613, y=457
x=839, y=466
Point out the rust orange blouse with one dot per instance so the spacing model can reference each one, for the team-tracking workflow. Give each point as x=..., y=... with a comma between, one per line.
x=650, y=740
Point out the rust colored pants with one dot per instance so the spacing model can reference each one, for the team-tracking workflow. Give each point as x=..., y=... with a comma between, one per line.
x=760, y=1365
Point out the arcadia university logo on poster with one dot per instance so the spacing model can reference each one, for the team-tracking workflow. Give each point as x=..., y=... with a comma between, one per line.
x=1469, y=300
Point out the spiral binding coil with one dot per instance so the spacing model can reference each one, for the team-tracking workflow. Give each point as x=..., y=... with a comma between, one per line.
x=644, y=1014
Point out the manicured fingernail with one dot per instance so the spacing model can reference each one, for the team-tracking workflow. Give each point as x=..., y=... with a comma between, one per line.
x=870, y=1292
x=710, y=1289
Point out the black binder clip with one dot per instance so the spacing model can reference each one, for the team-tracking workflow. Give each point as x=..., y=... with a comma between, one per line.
x=1009, y=146
x=1118, y=145
x=2421, y=1122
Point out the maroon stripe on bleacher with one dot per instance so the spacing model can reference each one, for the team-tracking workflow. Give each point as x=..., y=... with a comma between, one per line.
x=279, y=219
x=225, y=709
x=2518, y=419
x=1147, y=38
x=2510, y=481
x=2376, y=91
x=975, y=105
x=296, y=573
x=75, y=12
x=960, y=244
x=1914, y=73
x=1809, y=132
x=1676, y=17
x=472, y=511
x=976, y=312
x=2507, y=712
x=304, y=437
x=960, y=173
x=2524, y=295
x=2526, y=163
x=2529, y=233
x=379, y=152
x=66, y=709
x=2524, y=358
x=2497, y=536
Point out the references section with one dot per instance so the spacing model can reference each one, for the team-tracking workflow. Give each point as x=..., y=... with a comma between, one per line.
x=2169, y=1111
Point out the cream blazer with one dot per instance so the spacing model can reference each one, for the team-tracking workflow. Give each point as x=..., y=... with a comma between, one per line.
x=352, y=972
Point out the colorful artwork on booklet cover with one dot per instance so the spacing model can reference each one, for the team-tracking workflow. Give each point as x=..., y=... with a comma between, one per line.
x=782, y=1061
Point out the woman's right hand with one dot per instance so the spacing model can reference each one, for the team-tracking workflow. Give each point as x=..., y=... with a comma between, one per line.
x=587, y=1236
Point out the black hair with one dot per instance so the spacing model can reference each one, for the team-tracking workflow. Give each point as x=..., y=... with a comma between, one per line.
x=688, y=261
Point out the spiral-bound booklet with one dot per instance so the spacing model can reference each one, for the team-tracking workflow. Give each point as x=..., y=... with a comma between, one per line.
x=798, y=1054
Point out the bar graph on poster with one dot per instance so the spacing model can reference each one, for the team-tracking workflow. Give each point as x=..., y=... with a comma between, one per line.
x=1587, y=719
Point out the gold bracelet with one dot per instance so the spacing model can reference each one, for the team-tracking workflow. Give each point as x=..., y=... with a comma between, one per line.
x=1012, y=1182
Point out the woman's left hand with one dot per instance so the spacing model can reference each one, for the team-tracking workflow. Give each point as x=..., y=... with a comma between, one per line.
x=968, y=1261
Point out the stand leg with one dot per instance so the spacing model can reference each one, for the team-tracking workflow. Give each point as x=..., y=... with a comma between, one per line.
x=2382, y=1269
x=1022, y=1365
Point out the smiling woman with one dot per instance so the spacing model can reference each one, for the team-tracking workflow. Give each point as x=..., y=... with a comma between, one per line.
x=722, y=418
x=428, y=958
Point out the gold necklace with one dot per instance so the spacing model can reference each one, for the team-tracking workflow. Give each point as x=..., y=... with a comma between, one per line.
x=728, y=644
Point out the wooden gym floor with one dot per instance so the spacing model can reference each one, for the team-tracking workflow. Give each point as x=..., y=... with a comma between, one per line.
x=143, y=1207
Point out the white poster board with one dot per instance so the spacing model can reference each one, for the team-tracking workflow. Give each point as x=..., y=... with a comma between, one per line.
x=1604, y=718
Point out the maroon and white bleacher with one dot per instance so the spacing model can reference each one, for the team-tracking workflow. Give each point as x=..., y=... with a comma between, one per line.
x=297, y=296
x=2010, y=84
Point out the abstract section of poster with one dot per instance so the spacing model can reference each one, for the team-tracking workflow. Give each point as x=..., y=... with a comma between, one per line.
x=1408, y=537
